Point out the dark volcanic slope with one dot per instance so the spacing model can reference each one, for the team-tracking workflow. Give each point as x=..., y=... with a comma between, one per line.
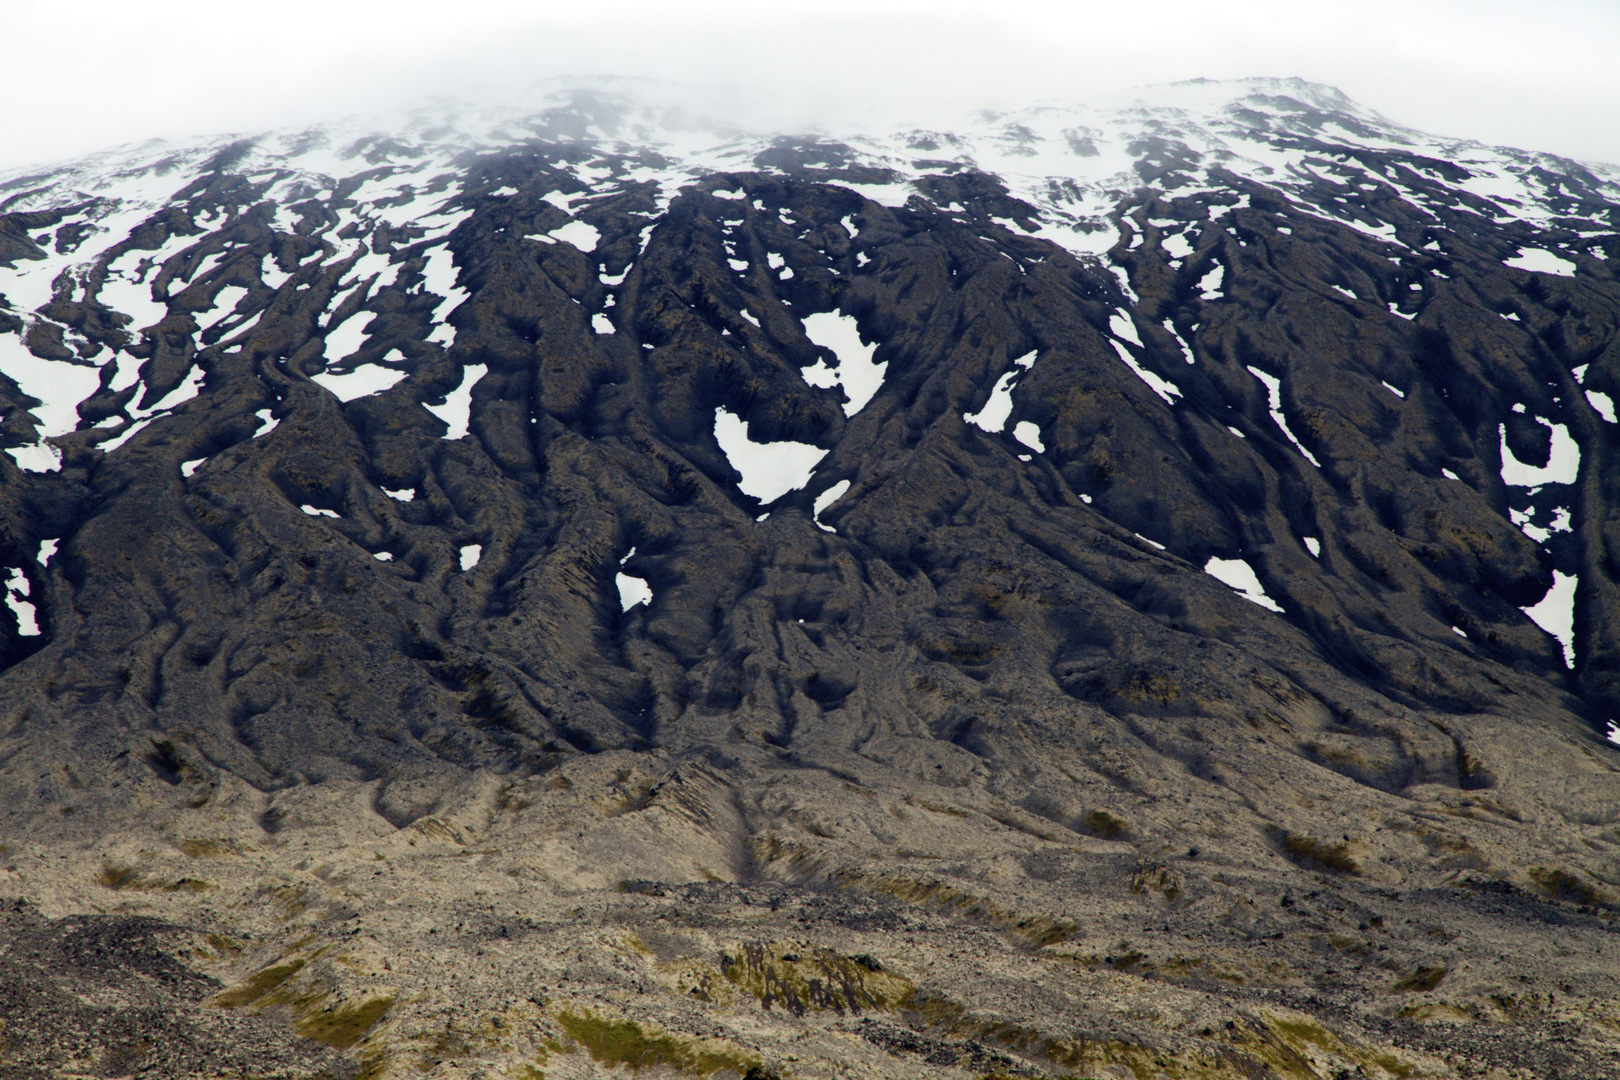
x=343, y=592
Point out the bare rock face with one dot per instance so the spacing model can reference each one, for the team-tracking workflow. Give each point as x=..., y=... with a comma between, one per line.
x=1128, y=593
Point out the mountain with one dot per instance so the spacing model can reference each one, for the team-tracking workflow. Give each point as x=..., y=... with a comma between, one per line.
x=583, y=586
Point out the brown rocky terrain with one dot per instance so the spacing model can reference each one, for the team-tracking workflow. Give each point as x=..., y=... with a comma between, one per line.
x=335, y=747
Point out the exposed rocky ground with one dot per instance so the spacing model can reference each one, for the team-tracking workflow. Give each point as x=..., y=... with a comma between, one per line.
x=1121, y=594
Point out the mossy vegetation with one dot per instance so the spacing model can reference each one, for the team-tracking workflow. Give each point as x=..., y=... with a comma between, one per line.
x=690, y=977
x=1104, y=826
x=199, y=848
x=623, y=1042
x=1314, y=854
x=1269, y=1048
x=117, y=877
x=1036, y=931
x=1423, y=979
x=345, y=1024
x=802, y=978
x=1560, y=884
x=258, y=984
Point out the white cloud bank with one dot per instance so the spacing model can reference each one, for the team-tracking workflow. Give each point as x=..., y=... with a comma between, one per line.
x=102, y=72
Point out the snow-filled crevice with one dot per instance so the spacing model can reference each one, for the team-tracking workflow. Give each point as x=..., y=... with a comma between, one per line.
x=1273, y=387
x=1122, y=327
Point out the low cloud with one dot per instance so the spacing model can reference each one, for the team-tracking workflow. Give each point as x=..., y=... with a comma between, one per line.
x=105, y=73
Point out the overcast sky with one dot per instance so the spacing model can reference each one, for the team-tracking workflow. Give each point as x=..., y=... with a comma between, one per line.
x=1541, y=74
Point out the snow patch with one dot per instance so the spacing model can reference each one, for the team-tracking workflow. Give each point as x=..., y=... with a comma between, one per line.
x=188, y=469
x=768, y=470
x=58, y=385
x=633, y=590
x=1274, y=394
x=470, y=554
x=1555, y=613
x=1167, y=390
x=345, y=338
x=998, y=410
x=1312, y=545
x=577, y=233
x=316, y=511
x=17, y=600
x=457, y=408
x=224, y=307
x=1239, y=575
x=1541, y=261
x=363, y=381
x=1176, y=246
x=1562, y=466
x=826, y=499
x=859, y=377
x=1029, y=434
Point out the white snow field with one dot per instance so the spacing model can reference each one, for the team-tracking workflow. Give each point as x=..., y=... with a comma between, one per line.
x=769, y=470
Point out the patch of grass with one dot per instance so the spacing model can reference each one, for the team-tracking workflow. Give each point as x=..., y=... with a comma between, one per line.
x=258, y=984
x=1104, y=826
x=343, y=1025
x=1276, y=1048
x=800, y=860
x=210, y=849
x=624, y=1042
x=1423, y=979
x=802, y=979
x=1314, y=854
x=690, y=977
x=114, y=876
x=1560, y=884
x=1036, y=930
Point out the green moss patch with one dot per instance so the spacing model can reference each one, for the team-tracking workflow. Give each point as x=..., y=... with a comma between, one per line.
x=624, y=1042
x=1421, y=980
x=803, y=979
x=1314, y=854
x=258, y=985
x=1035, y=930
x=345, y=1024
